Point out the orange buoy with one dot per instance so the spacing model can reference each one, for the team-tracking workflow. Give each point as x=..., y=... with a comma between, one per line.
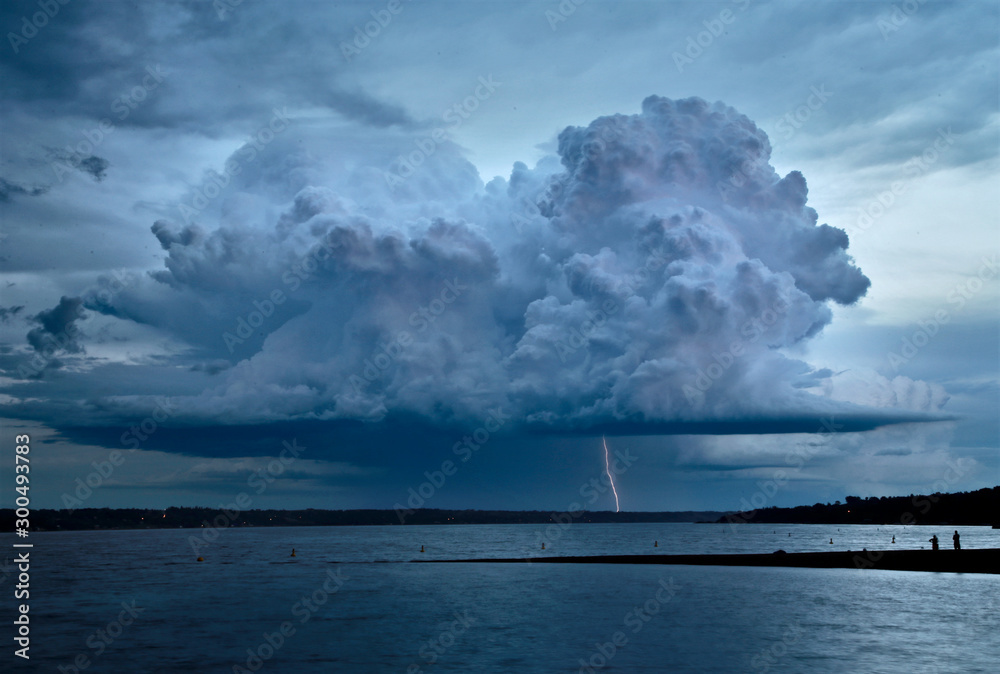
x=201, y=559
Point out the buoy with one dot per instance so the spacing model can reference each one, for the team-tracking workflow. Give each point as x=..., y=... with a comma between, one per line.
x=656, y=544
x=293, y=552
x=789, y=534
x=421, y=548
x=893, y=539
x=201, y=559
x=831, y=541
x=543, y=546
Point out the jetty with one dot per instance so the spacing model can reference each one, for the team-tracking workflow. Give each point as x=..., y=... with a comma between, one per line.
x=941, y=561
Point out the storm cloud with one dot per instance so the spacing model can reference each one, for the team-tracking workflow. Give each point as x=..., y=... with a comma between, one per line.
x=260, y=235
x=644, y=280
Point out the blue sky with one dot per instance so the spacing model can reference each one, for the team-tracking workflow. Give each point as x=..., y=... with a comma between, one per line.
x=444, y=247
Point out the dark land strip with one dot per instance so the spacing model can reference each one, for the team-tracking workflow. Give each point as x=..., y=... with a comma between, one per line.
x=950, y=561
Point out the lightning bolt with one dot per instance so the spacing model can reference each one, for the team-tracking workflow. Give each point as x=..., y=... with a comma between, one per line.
x=607, y=468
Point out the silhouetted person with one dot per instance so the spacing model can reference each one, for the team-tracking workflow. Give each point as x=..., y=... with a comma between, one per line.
x=958, y=546
x=934, y=542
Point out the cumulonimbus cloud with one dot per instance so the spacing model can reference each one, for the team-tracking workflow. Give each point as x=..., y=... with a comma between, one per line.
x=652, y=273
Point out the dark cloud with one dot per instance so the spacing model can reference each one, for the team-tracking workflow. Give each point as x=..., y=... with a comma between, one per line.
x=7, y=189
x=8, y=313
x=90, y=60
x=96, y=167
x=354, y=441
x=212, y=367
x=57, y=329
x=361, y=107
x=92, y=165
x=899, y=451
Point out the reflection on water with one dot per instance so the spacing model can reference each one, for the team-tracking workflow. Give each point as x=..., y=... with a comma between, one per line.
x=335, y=607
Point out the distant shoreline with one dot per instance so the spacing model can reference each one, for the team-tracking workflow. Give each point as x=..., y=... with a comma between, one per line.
x=932, y=510
x=973, y=508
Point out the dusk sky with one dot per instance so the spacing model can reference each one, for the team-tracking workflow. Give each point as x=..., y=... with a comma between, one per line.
x=446, y=246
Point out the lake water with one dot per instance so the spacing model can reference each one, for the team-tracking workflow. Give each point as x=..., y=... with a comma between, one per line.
x=137, y=601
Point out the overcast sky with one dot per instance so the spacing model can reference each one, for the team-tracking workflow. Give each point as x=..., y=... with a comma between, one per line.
x=375, y=247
